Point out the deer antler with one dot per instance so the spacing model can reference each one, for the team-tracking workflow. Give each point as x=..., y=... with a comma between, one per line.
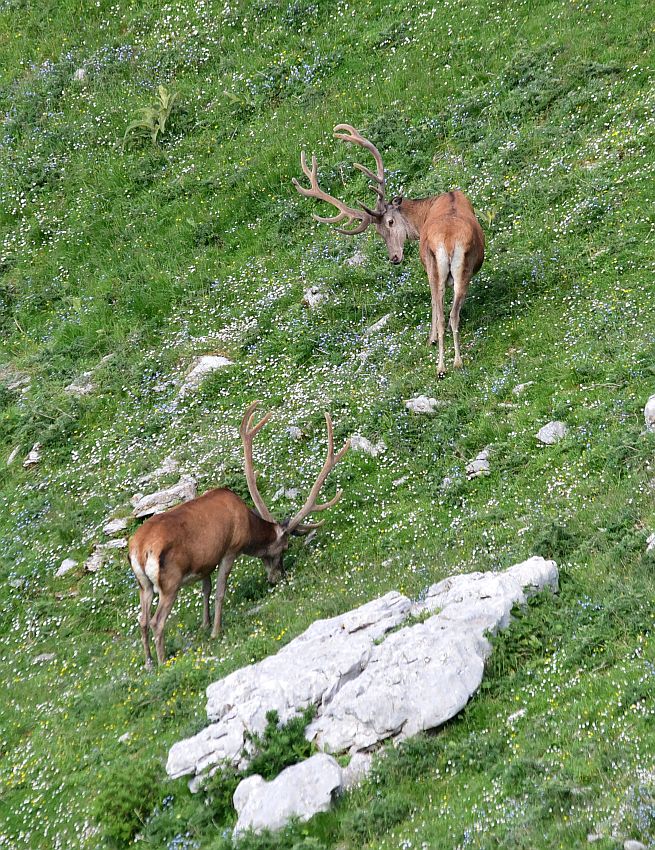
x=345, y=211
x=310, y=505
x=247, y=431
x=355, y=137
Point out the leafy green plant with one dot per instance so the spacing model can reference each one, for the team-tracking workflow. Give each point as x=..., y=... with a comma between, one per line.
x=153, y=118
x=280, y=746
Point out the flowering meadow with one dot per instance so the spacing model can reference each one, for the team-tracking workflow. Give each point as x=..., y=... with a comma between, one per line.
x=128, y=254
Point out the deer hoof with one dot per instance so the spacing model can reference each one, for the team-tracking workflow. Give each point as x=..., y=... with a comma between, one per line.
x=441, y=374
x=457, y=364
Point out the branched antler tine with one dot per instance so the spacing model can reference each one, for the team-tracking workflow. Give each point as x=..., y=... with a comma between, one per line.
x=331, y=460
x=330, y=219
x=355, y=137
x=359, y=229
x=369, y=174
x=247, y=431
x=315, y=191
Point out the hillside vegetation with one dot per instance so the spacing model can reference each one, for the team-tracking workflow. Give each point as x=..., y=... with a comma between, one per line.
x=544, y=114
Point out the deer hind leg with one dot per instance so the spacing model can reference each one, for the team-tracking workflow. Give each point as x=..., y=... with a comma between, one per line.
x=166, y=601
x=438, y=269
x=206, y=593
x=221, y=583
x=146, y=594
x=460, y=287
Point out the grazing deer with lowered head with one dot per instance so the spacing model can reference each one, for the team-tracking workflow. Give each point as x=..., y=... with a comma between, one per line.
x=187, y=543
x=451, y=239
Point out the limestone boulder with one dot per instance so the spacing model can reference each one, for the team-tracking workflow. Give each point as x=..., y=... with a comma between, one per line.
x=155, y=503
x=308, y=671
x=300, y=791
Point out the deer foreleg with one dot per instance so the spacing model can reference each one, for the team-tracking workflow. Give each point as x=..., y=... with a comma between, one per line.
x=206, y=593
x=221, y=584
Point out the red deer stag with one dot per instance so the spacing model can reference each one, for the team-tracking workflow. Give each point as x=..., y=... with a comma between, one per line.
x=187, y=543
x=451, y=239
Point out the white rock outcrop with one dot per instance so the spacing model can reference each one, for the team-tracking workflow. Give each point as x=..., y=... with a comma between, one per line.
x=479, y=466
x=377, y=326
x=308, y=671
x=368, y=685
x=552, y=433
x=300, y=791
x=82, y=385
x=202, y=367
x=362, y=444
x=99, y=555
x=423, y=404
x=649, y=414
x=154, y=503
x=115, y=525
x=313, y=297
x=33, y=456
x=66, y=566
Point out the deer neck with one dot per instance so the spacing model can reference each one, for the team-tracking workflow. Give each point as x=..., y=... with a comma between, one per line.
x=262, y=534
x=415, y=214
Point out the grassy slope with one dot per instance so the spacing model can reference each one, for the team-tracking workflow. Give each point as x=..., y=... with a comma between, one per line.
x=543, y=113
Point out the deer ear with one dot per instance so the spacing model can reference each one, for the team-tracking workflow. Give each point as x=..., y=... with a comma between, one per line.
x=397, y=201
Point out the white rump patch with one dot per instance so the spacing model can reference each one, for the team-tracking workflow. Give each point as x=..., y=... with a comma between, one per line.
x=152, y=570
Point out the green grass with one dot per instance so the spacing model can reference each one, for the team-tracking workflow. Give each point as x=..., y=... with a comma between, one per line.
x=544, y=114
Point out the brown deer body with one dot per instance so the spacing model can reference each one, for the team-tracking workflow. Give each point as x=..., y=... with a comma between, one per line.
x=186, y=544
x=450, y=236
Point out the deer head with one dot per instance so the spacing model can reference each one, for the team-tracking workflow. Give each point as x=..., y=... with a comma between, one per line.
x=390, y=222
x=273, y=556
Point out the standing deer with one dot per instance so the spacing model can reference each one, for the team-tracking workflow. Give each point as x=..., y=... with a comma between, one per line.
x=187, y=543
x=451, y=239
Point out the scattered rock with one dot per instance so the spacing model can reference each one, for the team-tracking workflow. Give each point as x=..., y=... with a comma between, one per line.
x=168, y=466
x=649, y=414
x=479, y=466
x=300, y=791
x=361, y=444
x=378, y=325
x=116, y=525
x=400, y=480
x=13, y=455
x=313, y=297
x=358, y=769
x=552, y=433
x=650, y=542
x=45, y=656
x=125, y=737
x=357, y=259
x=631, y=844
x=291, y=493
x=594, y=836
x=80, y=75
x=519, y=389
x=183, y=491
x=203, y=366
x=294, y=432
x=82, y=385
x=13, y=379
x=34, y=456
x=97, y=558
x=66, y=566
x=95, y=561
x=17, y=583
x=423, y=404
